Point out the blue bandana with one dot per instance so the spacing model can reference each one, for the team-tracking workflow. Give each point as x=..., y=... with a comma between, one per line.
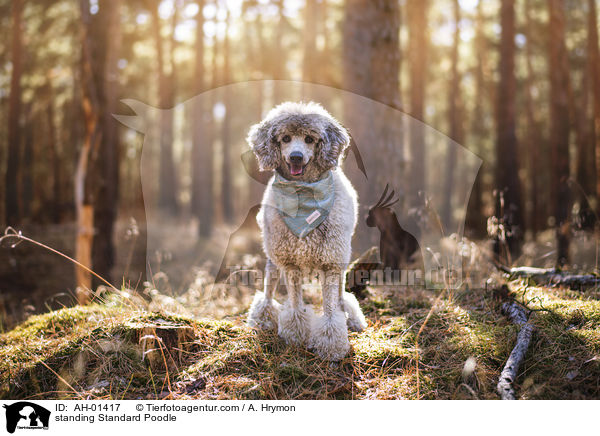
x=303, y=205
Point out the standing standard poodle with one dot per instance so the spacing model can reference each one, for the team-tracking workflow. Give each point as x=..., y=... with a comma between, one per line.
x=307, y=218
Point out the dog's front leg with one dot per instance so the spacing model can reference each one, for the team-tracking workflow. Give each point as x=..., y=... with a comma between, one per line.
x=295, y=317
x=329, y=336
x=264, y=311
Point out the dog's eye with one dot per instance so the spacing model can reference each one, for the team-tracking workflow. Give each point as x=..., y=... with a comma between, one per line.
x=286, y=138
x=309, y=139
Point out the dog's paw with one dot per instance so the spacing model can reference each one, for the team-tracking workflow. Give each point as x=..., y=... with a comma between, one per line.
x=263, y=313
x=356, y=320
x=294, y=324
x=329, y=337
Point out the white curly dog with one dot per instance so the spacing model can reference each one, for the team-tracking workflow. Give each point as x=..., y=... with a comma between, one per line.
x=307, y=217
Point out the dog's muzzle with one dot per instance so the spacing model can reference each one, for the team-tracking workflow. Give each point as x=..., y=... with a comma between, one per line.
x=296, y=163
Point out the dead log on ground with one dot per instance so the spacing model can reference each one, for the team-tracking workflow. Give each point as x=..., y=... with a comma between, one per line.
x=551, y=277
x=509, y=374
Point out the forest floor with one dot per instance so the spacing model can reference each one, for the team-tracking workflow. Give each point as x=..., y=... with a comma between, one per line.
x=419, y=344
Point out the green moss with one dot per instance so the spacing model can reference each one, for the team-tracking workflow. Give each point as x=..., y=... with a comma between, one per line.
x=409, y=350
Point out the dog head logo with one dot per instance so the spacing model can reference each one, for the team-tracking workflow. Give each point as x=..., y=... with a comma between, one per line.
x=433, y=178
x=26, y=415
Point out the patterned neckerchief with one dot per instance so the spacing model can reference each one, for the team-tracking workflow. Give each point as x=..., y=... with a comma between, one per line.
x=303, y=205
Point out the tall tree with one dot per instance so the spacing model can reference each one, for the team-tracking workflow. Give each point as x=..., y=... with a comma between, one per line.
x=14, y=117
x=594, y=60
x=417, y=53
x=83, y=175
x=536, y=213
x=55, y=158
x=279, y=55
x=107, y=165
x=226, y=185
x=582, y=110
x=475, y=219
x=454, y=117
x=28, y=161
x=508, y=200
x=559, y=126
x=202, y=164
x=309, y=65
x=167, y=187
x=372, y=41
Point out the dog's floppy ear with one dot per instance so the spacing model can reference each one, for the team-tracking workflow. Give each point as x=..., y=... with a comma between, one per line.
x=261, y=141
x=334, y=142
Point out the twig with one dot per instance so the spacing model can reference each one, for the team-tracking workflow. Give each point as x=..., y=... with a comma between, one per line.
x=508, y=375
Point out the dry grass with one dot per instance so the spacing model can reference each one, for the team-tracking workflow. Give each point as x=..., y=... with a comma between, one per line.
x=419, y=344
x=94, y=352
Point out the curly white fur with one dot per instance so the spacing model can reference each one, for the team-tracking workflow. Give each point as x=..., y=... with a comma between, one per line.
x=264, y=312
x=326, y=249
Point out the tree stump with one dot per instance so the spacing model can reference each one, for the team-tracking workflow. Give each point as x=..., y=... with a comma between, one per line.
x=163, y=343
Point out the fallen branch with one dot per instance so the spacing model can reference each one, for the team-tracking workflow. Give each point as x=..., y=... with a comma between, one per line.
x=508, y=375
x=551, y=277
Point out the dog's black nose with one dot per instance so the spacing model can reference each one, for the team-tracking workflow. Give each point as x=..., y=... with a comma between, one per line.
x=296, y=157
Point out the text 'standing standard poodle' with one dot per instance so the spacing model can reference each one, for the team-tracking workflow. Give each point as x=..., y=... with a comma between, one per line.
x=307, y=218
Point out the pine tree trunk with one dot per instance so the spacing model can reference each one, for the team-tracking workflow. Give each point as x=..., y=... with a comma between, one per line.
x=279, y=54
x=371, y=64
x=454, y=120
x=226, y=186
x=534, y=138
x=12, y=206
x=417, y=52
x=28, y=162
x=507, y=179
x=559, y=127
x=83, y=180
x=167, y=190
x=309, y=55
x=475, y=221
x=594, y=60
x=260, y=57
x=107, y=165
x=582, y=110
x=202, y=165
x=53, y=147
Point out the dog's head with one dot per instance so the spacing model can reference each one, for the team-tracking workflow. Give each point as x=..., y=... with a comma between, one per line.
x=299, y=140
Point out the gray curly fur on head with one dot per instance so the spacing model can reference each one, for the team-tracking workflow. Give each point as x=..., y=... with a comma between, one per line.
x=301, y=119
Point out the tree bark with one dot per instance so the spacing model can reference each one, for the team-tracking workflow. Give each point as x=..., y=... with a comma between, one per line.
x=507, y=178
x=107, y=165
x=226, y=186
x=83, y=186
x=559, y=127
x=475, y=219
x=279, y=55
x=167, y=190
x=417, y=52
x=55, y=205
x=454, y=119
x=12, y=204
x=585, y=174
x=371, y=64
x=534, y=138
x=309, y=55
x=202, y=165
x=27, y=180
x=594, y=64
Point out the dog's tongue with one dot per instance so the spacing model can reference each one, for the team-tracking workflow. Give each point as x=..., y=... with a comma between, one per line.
x=295, y=169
